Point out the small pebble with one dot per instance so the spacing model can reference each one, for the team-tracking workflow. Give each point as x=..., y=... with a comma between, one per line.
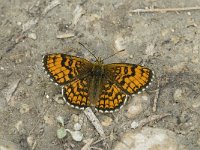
x=134, y=110
x=47, y=96
x=75, y=118
x=60, y=120
x=76, y=135
x=30, y=140
x=19, y=125
x=24, y=108
x=106, y=121
x=184, y=117
x=189, y=13
x=120, y=43
x=59, y=99
x=28, y=81
x=196, y=103
x=134, y=125
x=164, y=32
x=178, y=95
x=77, y=126
x=175, y=39
x=137, y=105
x=173, y=30
x=49, y=119
x=150, y=49
x=32, y=36
x=19, y=23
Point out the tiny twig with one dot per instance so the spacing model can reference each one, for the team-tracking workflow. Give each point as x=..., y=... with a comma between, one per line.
x=11, y=89
x=87, y=145
x=51, y=5
x=34, y=145
x=153, y=118
x=145, y=121
x=96, y=148
x=155, y=100
x=163, y=10
x=91, y=116
x=98, y=141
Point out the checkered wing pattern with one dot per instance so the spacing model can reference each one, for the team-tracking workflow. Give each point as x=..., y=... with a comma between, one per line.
x=111, y=98
x=129, y=77
x=76, y=93
x=63, y=68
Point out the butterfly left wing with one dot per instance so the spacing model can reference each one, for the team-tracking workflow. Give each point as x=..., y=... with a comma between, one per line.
x=111, y=98
x=63, y=68
x=130, y=78
x=76, y=93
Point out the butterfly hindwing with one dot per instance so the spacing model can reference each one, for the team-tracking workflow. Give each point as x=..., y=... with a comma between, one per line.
x=111, y=98
x=76, y=93
x=63, y=68
x=129, y=77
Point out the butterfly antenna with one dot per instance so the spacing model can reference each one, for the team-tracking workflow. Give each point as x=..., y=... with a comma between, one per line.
x=114, y=54
x=88, y=50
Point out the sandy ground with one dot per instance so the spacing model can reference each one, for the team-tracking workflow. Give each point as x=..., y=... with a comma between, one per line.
x=166, y=42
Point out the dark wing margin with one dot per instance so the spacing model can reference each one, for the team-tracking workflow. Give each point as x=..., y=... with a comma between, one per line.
x=131, y=78
x=76, y=93
x=63, y=68
x=111, y=99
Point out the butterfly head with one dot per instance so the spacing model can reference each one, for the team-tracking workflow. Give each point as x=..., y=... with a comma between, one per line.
x=99, y=60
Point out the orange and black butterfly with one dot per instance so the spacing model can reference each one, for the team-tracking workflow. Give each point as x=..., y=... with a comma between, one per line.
x=104, y=86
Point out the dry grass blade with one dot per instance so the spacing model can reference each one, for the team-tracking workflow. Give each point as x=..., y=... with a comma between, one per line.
x=155, y=101
x=149, y=119
x=11, y=90
x=87, y=145
x=51, y=6
x=163, y=10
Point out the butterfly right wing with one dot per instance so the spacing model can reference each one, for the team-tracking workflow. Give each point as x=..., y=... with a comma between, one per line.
x=122, y=80
x=130, y=78
x=63, y=68
x=112, y=98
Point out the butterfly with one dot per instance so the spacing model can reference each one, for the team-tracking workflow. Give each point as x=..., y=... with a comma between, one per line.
x=104, y=86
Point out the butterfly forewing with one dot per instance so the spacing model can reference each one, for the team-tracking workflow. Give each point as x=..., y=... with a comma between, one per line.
x=129, y=77
x=63, y=68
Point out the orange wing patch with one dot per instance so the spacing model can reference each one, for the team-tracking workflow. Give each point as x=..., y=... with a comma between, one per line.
x=63, y=68
x=76, y=94
x=111, y=99
x=129, y=77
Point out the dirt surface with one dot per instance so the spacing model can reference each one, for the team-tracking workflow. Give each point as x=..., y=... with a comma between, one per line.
x=166, y=42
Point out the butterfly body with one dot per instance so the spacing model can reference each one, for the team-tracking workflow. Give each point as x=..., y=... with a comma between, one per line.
x=104, y=86
x=96, y=78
